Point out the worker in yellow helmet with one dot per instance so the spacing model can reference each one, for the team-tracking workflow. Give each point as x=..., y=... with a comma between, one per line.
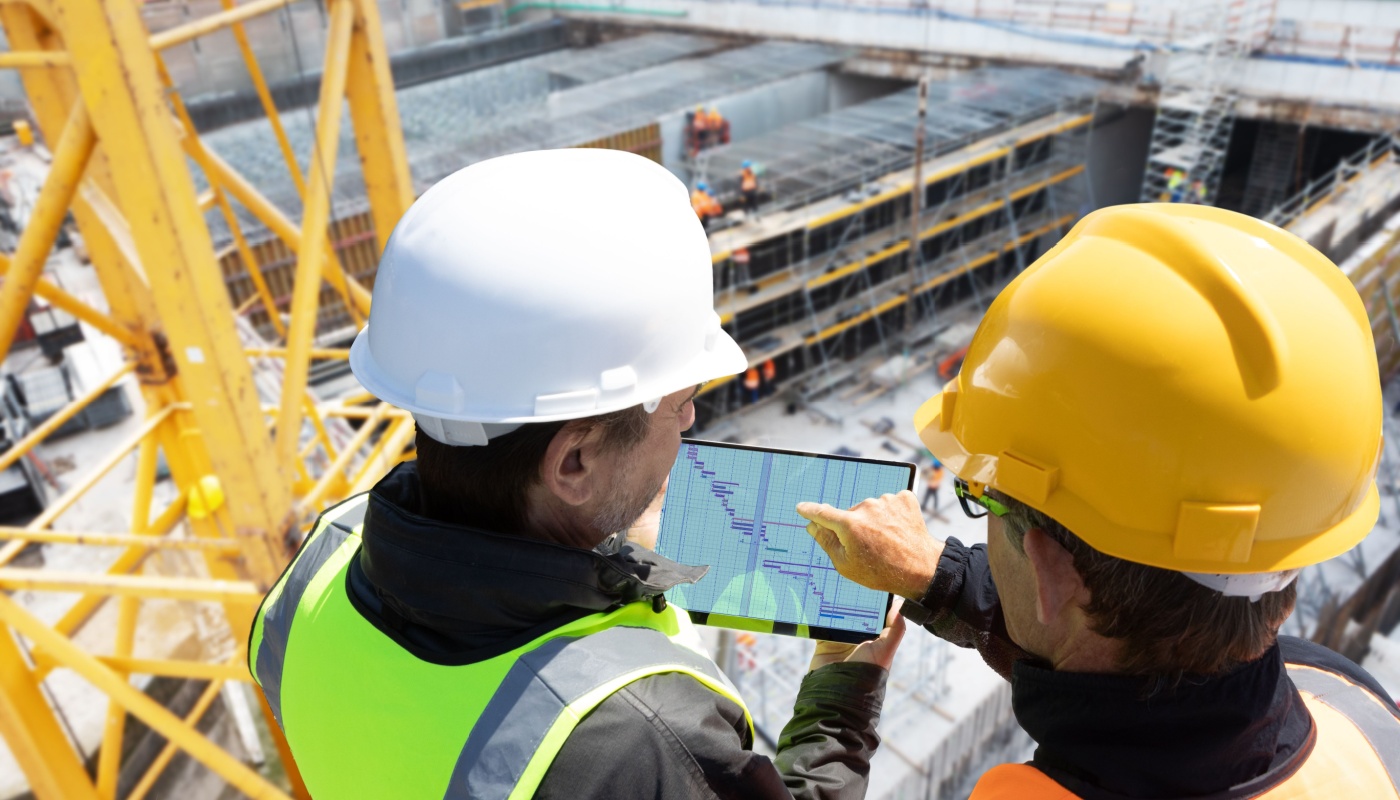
x=1162, y=420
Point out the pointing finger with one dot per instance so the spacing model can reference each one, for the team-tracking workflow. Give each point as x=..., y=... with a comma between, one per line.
x=827, y=516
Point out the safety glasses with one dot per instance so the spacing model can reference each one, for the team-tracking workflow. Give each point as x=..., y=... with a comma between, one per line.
x=976, y=507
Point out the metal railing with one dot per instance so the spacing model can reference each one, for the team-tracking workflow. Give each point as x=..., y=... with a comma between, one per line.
x=1148, y=21
x=1381, y=150
x=1352, y=43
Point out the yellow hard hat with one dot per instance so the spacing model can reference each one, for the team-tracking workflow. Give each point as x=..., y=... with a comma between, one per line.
x=205, y=497
x=1180, y=386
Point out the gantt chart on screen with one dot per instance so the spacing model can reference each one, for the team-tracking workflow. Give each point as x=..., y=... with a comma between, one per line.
x=734, y=510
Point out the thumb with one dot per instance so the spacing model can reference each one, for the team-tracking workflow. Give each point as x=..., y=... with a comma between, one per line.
x=828, y=540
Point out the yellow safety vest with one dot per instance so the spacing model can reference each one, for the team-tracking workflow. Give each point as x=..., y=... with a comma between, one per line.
x=366, y=718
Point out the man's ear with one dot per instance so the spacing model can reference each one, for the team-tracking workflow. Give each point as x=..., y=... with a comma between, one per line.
x=567, y=469
x=1058, y=587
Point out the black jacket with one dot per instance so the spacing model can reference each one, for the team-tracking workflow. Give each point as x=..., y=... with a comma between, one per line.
x=455, y=595
x=1108, y=737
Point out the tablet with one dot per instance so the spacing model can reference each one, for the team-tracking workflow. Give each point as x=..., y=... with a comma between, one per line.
x=733, y=508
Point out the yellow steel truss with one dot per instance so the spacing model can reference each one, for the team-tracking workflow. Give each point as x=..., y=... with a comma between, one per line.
x=122, y=143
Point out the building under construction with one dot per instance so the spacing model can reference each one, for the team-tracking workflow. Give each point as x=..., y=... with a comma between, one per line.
x=194, y=196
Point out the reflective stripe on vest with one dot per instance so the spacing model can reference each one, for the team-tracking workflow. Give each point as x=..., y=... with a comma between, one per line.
x=366, y=718
x=1357, y=753
x=553, y=681
x=1378, y=725
x=334, y=526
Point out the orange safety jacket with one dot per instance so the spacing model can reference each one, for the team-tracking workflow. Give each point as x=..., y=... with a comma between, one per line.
x=935, y=477
x=748, y=182
x=705, y=205
x=751, y=378
x=770, y=370
x=1356, y=753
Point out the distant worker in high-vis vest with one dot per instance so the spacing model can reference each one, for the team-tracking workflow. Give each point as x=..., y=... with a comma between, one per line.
x=477, y=625
x=1162, y=420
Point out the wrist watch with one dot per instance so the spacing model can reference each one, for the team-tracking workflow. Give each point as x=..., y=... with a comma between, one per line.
x=915, y=612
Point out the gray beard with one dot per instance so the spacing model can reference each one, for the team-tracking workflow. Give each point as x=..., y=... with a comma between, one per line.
x=620, y=515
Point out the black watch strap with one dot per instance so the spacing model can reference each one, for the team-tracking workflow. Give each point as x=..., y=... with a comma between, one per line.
x=915, y=612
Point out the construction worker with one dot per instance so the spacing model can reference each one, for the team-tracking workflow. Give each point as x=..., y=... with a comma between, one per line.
x=770, y=377
x=933, y=481
x=1175, y=180
x=748, y=187
x=1148, y=508
x=704, y=204
x=699, y=130
x=1198, y=191
x=718, y=127
x=752, y=384
x=475, y=625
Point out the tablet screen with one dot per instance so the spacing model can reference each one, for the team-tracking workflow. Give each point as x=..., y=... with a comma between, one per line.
x=733, y=508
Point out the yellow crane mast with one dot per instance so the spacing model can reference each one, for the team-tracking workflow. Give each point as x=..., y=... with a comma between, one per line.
x=122, y=147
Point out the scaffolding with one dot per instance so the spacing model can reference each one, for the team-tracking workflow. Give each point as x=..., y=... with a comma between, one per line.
x=858, y=145
x=443, y=118
x=1196, y=108
x=817, y=288
x=1381, y=153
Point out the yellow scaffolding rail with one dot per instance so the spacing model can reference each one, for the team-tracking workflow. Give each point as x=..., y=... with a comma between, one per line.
x=122, y=142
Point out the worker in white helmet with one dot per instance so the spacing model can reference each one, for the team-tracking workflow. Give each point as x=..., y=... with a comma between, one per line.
x=1162, y=421
x=477, y=625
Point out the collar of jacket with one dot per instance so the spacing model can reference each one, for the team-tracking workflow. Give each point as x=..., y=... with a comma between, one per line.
x=456, y=595
x=1105, y=738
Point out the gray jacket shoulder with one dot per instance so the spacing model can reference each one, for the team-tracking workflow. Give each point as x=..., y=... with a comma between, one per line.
x=670, y=736
x=665, y=735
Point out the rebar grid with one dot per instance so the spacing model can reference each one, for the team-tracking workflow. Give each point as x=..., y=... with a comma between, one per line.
x=816, y=158
x=514, y=107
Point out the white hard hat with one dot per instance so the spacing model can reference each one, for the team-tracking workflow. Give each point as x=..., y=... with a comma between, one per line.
x=542, y=286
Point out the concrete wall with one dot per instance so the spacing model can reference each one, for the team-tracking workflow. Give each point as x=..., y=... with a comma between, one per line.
x=774, y=105
x=1117, y=154
x=847, y=89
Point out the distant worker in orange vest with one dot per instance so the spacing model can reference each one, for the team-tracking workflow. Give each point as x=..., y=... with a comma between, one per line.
x=718, y=127
x=705, y=205
x=770, y=377
x=699, y=130
x=748, y=187
x=934, y=478
x=752, y=384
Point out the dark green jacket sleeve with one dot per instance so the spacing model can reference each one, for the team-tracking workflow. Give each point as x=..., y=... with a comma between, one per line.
x=667, y=736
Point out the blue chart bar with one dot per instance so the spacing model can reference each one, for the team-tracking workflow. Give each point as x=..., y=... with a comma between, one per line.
x=735, y=511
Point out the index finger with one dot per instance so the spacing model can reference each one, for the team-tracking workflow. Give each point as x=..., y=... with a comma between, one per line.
x=825, y=515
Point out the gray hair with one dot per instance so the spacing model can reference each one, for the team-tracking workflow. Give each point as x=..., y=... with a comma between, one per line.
x=1167, y=624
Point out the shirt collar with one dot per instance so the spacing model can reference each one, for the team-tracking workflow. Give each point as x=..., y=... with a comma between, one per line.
x=1110, y=736
x=468, y=588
